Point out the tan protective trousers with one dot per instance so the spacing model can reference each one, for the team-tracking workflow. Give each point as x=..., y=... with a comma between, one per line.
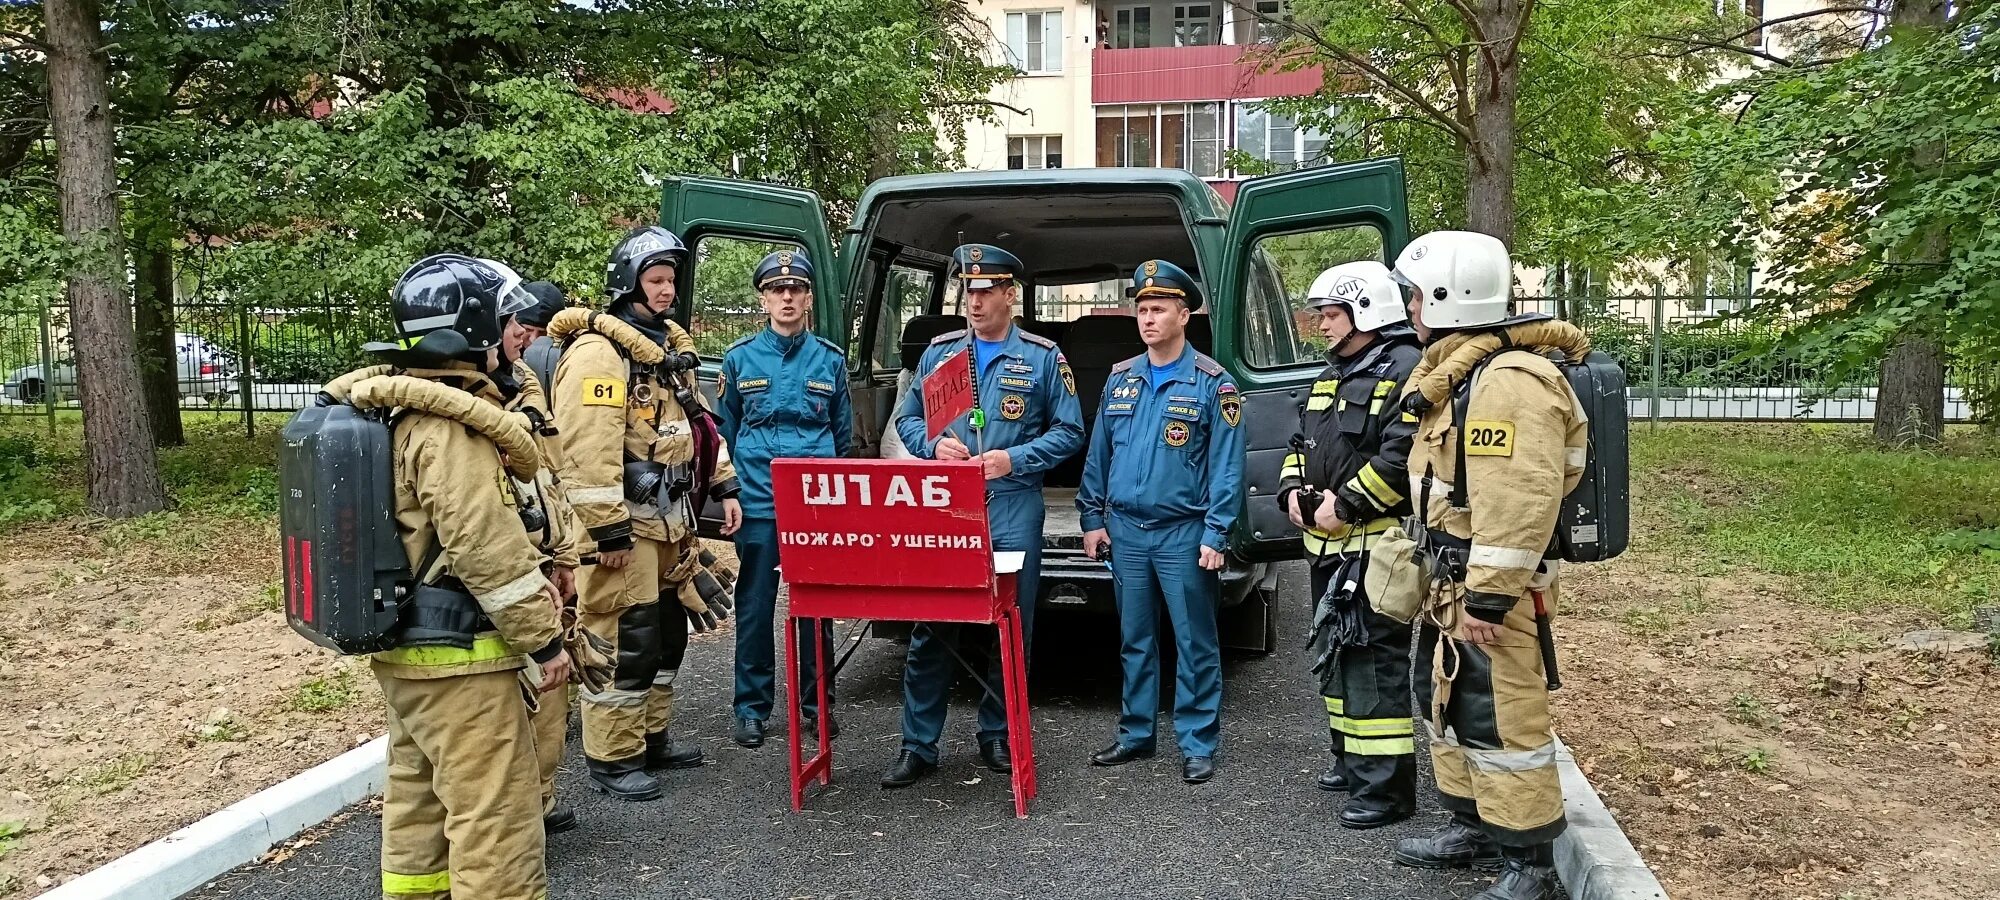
x=551, y=726
x=1493, y=746
x=624, y=607
x=455, y=819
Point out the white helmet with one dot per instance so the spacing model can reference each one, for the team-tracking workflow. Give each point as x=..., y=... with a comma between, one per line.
x=513, y=297
x=1365, y=288
x=1464, y=277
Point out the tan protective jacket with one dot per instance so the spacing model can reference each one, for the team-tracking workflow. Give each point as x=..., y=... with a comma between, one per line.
x=455, y=488
x=614, y=405
x=1525, y=449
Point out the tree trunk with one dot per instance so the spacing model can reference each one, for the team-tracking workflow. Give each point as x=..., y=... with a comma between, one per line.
x=1496, y=88
x=1909, y=405
x=159, y=357
x=123, y=473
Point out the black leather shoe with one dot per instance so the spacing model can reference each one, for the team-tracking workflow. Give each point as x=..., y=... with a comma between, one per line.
x=1458, y=846
x=1119, y=754
x=1198, y=769
x=832, y=726
x=1363, y=816
x=559, y=820
x=1334, y=778
x=663, y=753
x=1522, y=881
x=994, y=755
x=625, y=779
x=749, y=732
x=907, y=770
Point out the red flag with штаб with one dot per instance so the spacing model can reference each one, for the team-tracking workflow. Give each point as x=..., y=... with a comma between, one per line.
x=947, y=393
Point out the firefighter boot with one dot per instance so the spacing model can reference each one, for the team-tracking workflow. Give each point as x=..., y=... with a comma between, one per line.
x=625, y=779
x=663, y=753
x=1530, y=874
x=1383, y=790
x=1461, y=845
x=1335, y=776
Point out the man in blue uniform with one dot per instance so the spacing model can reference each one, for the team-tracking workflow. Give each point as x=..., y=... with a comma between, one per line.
x=1161, y=489
x=1027, y=422
x=782, y=392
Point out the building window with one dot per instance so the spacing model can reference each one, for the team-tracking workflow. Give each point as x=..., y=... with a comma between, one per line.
x=1748, y=9
x=1034, y=41
x=1276, y=138
x=1194, y=24
x=1271, y=16
x=1034, y=152
x=1132, y=26
x=1173, y=135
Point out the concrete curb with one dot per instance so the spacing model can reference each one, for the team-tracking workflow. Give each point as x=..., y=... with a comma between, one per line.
x=191, y=857
x=1593, y=856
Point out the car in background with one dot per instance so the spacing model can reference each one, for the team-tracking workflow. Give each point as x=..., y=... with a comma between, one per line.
x=203, y=371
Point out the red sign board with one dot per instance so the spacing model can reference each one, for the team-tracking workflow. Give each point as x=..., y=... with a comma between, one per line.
x=947, y=393
x=882, y=523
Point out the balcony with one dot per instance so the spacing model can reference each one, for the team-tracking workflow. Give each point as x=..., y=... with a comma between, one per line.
x=1213, y=72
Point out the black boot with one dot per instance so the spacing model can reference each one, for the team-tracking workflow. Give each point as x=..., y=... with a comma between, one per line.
x=1530, y=874
x=1335, y=776
x=1461, y=845
x=559, y=820
x=1383, y=789
x=663, y=753
x=907, y=770
x=625, y=779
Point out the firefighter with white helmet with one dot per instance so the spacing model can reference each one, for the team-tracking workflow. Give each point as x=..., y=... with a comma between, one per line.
x=1344, y=483
x=1500, y=440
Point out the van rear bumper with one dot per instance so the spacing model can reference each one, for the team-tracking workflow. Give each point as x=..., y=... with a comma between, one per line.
x=1072, y=581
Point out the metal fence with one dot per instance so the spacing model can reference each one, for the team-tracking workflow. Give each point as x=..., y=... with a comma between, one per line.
x=1684, y=359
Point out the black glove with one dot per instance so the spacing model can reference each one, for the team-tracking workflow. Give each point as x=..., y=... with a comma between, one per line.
x=680, y=362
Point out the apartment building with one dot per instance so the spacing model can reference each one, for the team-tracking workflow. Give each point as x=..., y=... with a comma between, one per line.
x=1111, y=83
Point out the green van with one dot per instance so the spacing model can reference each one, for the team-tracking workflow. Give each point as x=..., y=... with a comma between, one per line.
x=881, y=292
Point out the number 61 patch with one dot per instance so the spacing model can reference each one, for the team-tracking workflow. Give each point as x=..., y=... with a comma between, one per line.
x=1489, y=438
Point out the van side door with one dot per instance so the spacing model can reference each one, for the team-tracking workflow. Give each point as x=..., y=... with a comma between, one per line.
x=1283, y=231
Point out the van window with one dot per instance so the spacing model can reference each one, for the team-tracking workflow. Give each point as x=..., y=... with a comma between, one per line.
x=725, y=305
x=905, y=293
x=1277, y=331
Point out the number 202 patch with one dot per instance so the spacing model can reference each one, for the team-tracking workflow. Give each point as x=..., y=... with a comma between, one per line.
x=603, y=392
x=1489, y=438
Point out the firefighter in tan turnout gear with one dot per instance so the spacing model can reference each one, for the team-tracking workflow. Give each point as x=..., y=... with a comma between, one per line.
x=640, y=454
x=1500, y=441
x=456, y=819
x=1344, y=484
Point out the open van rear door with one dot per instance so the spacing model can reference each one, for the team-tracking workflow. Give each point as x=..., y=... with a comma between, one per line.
x=1284, y=230
x=729, y=225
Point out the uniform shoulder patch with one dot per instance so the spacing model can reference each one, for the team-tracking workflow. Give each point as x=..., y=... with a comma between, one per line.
x=1232, y=407
x=1207, y=365
x=1036, y=339
x=1127, y=365
x=948, y=336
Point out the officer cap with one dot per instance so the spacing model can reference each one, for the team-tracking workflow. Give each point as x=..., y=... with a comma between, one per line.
x=984, y=266
x=549, y=300
x=785, y=267
x=1159, y=278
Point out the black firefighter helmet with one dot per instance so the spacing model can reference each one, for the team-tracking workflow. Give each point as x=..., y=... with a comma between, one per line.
x=446, y=307
x=643, y=248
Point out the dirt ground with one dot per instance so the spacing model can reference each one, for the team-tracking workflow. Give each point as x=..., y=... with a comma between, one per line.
x=148, y=679
x=1755, y=746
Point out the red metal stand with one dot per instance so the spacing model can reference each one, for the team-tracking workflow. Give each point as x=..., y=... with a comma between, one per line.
x=904, y=541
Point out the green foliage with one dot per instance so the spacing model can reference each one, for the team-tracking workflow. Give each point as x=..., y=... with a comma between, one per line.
x=1591, y=77
x=325, y=694
x=1867, y=526
x=112, y=775
x=1758, y=760
x=1867, y=180
x=10, y=832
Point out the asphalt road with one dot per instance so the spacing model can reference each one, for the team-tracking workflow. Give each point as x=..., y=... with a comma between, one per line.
x=1261, y=829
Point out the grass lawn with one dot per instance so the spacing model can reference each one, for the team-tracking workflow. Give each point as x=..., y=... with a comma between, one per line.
x=1867, y=526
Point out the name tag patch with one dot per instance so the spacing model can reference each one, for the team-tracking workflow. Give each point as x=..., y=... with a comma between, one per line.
x=1019, y=384
x=747, y=385
x=1190, y=413
x=819, y=386
x=1489, y=438
x=1122, y=406
x=603, y=392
